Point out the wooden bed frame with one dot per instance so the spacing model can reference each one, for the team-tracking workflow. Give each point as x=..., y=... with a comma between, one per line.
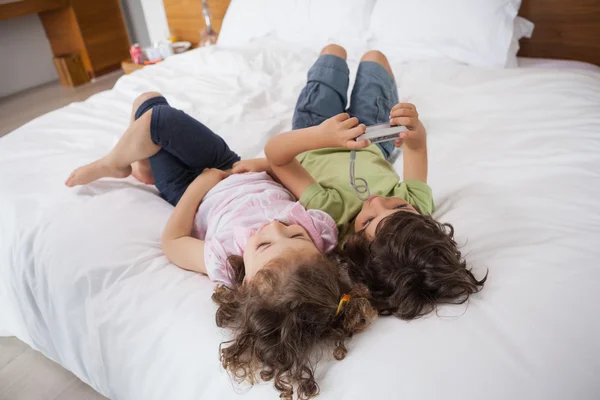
x=186, y=21
x=564, y=29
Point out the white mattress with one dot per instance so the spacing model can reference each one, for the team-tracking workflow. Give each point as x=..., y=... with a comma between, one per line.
x=551, y=63
x=514, y=165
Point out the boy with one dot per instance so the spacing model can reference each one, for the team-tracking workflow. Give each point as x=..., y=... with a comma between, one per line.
x=409, y=261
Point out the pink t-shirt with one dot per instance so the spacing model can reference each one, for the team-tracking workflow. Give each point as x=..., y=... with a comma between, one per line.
x=237, y=206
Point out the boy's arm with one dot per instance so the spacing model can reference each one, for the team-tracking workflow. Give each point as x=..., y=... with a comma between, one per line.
x=294, y=177
x=337, y=131
x=281, y=150
x=415, y=164
x=179, y=246
x=414, y=141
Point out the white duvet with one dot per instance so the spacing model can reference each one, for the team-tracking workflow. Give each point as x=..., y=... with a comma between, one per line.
x=514, y=165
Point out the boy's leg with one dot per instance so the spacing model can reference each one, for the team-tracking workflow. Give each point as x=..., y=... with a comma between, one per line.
x=374, y=94
x=326, y=91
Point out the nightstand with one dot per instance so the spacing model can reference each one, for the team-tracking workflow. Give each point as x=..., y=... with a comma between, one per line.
x=129, y=66
x=92, y=31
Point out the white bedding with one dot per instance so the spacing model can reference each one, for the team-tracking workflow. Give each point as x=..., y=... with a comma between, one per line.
x=529, y=62
x=514, y=165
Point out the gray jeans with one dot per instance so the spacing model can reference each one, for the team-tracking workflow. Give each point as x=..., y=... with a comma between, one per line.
x=326, y=94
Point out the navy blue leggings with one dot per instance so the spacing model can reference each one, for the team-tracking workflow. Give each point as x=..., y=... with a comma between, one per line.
x=187, y=148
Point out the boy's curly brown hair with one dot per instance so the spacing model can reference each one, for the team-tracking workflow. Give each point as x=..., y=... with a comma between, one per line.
x=282, y=315
x=411, y=265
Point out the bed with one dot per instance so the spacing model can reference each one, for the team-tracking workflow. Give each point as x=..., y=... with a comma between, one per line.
x=514, y=165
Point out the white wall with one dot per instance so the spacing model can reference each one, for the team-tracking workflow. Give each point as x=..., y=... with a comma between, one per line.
x=156, y=19
x=25, y=55
x=136, y=22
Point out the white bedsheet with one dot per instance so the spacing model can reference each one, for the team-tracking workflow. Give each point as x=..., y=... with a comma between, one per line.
x=514, y=165
x=530, y=62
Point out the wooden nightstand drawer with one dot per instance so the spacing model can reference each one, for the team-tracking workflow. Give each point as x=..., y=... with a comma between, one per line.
x=129, y=66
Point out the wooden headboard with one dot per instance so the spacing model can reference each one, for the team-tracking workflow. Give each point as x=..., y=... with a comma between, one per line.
x=564, y=29
x=186, y=21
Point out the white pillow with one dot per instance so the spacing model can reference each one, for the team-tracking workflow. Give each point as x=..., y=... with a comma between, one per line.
x=476, y=32
x=523, y=29
x=311, y=23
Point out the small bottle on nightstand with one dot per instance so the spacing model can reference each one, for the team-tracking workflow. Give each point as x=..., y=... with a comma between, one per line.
x=207, y=36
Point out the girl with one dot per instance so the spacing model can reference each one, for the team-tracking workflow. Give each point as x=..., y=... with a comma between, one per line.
x=409, y=261
x=278, y=293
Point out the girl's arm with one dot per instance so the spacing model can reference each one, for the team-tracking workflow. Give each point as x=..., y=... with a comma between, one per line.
x=281, y=150
x=414, y=141
x=179, y=246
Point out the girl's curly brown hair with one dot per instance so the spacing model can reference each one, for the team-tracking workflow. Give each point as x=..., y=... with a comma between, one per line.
x=411, y=265
x=282, y=315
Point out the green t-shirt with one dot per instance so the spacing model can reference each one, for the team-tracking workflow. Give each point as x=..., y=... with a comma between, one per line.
x=333, y=194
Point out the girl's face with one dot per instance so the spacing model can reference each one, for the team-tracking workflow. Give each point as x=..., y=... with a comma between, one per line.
x=274, y=240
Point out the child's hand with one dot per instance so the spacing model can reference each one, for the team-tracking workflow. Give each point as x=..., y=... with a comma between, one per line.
x=253, y=165
x=213, y=174
x=406, y=114
x=208, y=179
x=341, y=130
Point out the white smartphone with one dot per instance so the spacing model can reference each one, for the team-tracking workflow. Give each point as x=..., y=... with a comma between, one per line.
x=382, y=132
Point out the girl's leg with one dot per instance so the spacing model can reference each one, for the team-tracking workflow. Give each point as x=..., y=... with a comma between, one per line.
x=189, y=143
x=141, y=169
x=326, y=91
x=134, y=145
x=187, y=148
x=171, y=175
x=178, y=146
x=374, y=94
x=189, y=140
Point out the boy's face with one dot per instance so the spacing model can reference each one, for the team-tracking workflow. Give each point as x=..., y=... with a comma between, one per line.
x=377, y=208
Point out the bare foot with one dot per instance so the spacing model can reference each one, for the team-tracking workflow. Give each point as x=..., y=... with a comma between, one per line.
x=142, y=171
x=96, y=170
